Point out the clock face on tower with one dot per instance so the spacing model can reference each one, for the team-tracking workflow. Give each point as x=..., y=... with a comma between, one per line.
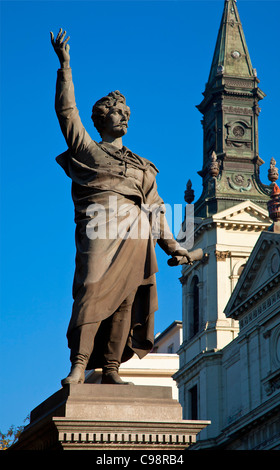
x=238, y=131
x=239, y=135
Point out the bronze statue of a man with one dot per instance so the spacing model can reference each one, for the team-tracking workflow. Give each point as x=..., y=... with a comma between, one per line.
x=114, y=287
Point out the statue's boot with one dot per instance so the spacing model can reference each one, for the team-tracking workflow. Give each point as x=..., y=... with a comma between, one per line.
x=110, y=375
x=81, y=343
x=77, y=372
x=119, y=329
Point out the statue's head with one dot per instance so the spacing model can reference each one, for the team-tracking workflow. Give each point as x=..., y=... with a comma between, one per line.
x=110, y=114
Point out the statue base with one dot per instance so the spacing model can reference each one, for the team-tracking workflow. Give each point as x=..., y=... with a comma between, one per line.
x=109, y=417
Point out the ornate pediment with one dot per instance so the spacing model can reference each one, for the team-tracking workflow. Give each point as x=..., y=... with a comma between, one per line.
x=244, y=213
x=260, y=275
x=243, y=216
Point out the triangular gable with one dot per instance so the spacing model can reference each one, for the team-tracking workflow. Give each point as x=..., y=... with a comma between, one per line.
x=257, y=274
x=246, y=211
x=247, y=216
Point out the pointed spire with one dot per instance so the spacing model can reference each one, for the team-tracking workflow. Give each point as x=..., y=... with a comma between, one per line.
x=231, y=56
x=230, y=109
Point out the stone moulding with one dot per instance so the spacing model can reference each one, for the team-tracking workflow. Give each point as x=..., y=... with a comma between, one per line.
x=272, y=383
x=109, y=417
x=263, y=307
x=126, y=435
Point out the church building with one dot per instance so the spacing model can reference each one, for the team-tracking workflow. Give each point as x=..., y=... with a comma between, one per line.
x=229, y=359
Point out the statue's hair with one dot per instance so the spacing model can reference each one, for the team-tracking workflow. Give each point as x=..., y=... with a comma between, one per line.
x=101, y=108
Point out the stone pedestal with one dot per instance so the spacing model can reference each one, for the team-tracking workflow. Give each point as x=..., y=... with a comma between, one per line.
x=109, y=417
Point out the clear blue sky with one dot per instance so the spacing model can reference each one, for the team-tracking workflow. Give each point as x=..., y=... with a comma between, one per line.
x=158, y=54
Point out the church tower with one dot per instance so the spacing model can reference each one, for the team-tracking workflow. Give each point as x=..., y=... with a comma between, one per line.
x=230, y=214
x=230, y=110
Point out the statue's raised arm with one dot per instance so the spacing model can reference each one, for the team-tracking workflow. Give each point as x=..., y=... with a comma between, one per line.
x=61, y=47
x=72, y=128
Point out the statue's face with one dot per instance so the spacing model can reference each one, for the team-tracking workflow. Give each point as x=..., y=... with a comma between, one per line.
x=116, y=120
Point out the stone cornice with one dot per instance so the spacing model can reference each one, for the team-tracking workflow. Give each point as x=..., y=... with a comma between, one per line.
x=240, y=302
x=264, y=304
x=250, y=420
x=191, y=366
x=246, y=226
x=227, y=221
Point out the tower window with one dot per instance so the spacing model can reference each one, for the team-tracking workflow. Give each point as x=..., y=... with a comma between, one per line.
x=170, y=349
x=193, y=403
x=194, y=307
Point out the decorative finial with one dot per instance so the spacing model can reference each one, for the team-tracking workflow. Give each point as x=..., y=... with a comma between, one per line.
x=214, y=165
x=273, y=171
x=189, y=193
x=273, y=204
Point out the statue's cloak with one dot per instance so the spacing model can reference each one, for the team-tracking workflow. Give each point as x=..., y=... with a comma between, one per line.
x=115, y=249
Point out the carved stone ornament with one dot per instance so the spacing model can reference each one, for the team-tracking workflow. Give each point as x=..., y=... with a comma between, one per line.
x=273, y=204
x=237, y=82
x=222, y=255
x=272, y=383
x=214, y=165
x=189, y=193
x=238, y=131
x=239, y=135
x=239, y=179
x=237, y=183
x=273, y=171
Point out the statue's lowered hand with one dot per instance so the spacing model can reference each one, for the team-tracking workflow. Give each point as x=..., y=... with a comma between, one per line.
x=61, y=47
x=191, y=256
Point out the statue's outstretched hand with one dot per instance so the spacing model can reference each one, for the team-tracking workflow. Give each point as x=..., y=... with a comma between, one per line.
x=61, y=47
x=183, y=256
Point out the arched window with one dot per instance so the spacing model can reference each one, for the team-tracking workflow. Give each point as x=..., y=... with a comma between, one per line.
x=194, y=307
x=240, y=269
